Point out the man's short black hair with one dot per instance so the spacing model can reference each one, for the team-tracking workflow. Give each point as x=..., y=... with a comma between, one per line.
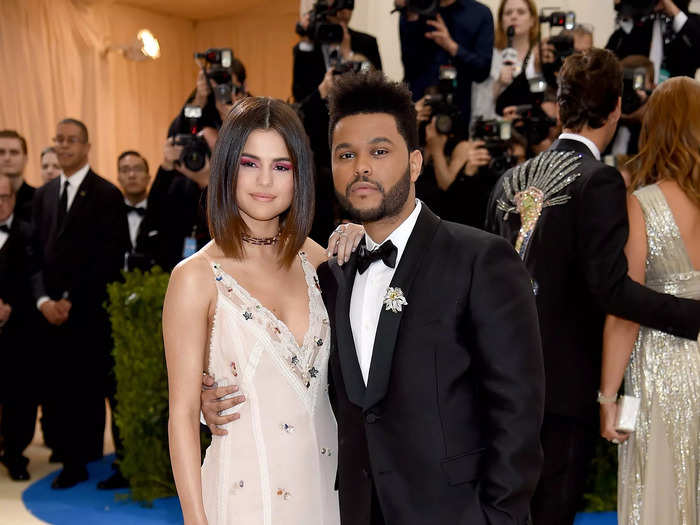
x=136, y=154
x=372, y=92
x=83, y=127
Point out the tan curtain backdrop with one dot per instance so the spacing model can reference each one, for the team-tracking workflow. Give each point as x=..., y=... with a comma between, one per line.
x=54, y=64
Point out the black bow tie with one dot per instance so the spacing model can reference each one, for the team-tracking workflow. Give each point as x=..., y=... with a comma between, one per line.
x=4, y=228
x=387, y=253
x=135, y=209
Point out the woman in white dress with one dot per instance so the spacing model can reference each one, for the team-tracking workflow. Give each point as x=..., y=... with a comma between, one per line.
x=248, y=310
x=659, y=472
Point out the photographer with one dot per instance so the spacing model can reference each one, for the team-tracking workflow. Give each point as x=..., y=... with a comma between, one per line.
x=638, y=83
x=453, y=32
x=515, y=59
x=220, y=83
x=662, y=30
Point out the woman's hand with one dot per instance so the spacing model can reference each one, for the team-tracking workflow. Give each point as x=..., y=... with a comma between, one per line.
x=434, y=140
x=478, y=156
x=505, y=77
x=608, y=418
x=423, y=110
x=344, y=241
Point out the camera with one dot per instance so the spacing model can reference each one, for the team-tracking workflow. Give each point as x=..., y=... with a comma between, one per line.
x=496, y=135
x=220, y=70
x=448, y=116
x=320, y=30
x=533, y=123
x=351, y=66
x=634, y=79
x=195, y=149
x=636, y=9
x=565, y=19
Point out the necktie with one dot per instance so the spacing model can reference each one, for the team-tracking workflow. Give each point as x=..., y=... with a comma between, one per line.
x=135, y=209
x=63, y=204
x=387, y=253
x=4, y=228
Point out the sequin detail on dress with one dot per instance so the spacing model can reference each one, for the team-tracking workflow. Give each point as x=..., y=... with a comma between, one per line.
x=659, y=473
x=531, y=187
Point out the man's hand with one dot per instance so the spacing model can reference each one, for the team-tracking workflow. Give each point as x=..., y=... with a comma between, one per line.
x=203, y=89
x=478, y=156
x=213, y=405
x=325, y=86
x=171, y=154
x=668, y=7
x=54, y=313
x=5, y=311
x=441, y=36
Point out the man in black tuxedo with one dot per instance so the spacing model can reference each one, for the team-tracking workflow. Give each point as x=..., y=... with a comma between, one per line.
x=565, y=212
x=670, y=39
x=79, y=240
x=436, y=366
x=18, y=320
x=13, y=160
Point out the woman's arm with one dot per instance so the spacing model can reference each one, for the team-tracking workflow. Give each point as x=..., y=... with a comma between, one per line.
x=185, y=325
x=619, y=334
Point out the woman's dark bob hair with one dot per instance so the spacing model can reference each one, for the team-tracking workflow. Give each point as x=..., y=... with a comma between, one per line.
x=225, y=223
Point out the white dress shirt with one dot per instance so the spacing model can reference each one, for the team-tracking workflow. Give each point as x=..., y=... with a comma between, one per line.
x=74, y=182
x=580, y=138
x=369, y=289
x=4, y=236
x=135, y=221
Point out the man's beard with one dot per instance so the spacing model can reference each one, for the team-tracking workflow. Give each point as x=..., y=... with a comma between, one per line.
x=392, y=201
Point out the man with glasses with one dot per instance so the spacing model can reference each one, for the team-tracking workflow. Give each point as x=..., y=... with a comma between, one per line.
x=13, y=160
x=79, y=240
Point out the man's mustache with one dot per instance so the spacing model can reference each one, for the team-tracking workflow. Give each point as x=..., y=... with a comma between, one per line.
x=366, y=179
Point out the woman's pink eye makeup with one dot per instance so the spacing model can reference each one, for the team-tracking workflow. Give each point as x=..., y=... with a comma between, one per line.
x=247, y=160
x=284, y=165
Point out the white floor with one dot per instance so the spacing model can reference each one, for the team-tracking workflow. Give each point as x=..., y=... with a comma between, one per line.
x=12, y=511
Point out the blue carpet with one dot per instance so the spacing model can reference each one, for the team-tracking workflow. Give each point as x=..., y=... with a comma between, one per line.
x=85, y=504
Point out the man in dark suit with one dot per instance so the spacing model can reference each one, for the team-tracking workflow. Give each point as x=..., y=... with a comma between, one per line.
x=670, y=38
x=18, y=319
x=461, y=35
x=312, y=78
x=436, y=366
x=79, y=240
x=13, y=160
x=565, y=212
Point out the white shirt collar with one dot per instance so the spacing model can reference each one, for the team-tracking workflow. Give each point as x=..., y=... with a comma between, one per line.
x=8, y=221
x=76, y=179
x=400, y=235
x=580, y=138
x=141, y=204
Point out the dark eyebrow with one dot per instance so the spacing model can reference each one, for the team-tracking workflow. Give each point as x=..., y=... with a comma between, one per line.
x=377, y=140
x=342, y=145
x=255, y=157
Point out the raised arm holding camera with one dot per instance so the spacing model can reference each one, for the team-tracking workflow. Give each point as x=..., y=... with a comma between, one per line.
x=663, y=30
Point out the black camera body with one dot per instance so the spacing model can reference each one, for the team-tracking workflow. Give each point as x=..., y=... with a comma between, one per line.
x=320, y=30
x=424, y=8
x=496, y=135
x=533, y=123
x=633, y=80
x=351, y=66
x=448, y=116
x=195, y=149
x=220, y=70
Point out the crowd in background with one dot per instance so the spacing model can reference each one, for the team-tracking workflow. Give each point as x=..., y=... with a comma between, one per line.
x=486, y=98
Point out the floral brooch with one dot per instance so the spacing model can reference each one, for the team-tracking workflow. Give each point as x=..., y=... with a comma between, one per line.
x=394, y=299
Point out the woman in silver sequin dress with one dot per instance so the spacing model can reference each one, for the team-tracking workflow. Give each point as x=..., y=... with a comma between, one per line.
x=659, y=471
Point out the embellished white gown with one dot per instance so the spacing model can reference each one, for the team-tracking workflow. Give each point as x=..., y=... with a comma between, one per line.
x=277, y=465
x=659, y=472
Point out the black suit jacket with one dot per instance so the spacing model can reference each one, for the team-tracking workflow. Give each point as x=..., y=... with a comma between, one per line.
x=79, y=259
x=23, y=205
x=577, y=263
x=447, y=429
x=681, y=53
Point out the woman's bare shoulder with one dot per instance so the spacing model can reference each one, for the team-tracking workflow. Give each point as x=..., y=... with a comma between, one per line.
x=315, y=252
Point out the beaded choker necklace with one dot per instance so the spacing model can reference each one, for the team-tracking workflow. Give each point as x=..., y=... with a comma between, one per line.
x=261, y=241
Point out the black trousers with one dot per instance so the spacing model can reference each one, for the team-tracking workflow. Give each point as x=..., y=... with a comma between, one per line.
x=568, y=446
x=17, y=428
x=377, y=518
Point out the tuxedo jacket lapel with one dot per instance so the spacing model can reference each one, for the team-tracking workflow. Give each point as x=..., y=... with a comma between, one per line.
x=389, y=321
x=349, y=365
x=79, y=201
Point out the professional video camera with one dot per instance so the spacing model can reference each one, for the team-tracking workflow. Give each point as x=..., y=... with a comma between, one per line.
x=448, y=117
x=636, y=9
x=195, y=149
x=496, y=135
x=634, y=79
x=220, y=71
x=563, y=44
x=320, y=29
